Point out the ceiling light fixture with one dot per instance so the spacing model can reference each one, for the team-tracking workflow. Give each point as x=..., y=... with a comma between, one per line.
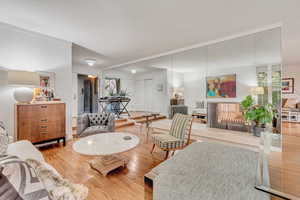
x=133, y=71
x=90, y=62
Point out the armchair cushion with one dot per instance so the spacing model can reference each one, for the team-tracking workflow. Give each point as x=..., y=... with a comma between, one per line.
x=98, y=118
x=94, y=123
x=94, y=130
x=166, y=141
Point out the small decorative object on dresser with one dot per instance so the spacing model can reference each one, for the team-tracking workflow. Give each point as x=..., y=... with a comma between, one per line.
x=41, y=122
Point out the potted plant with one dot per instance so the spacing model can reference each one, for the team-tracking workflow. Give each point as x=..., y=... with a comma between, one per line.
x=258, y=115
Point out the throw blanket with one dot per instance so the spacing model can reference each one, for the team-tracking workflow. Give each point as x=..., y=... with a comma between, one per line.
x=208, y=171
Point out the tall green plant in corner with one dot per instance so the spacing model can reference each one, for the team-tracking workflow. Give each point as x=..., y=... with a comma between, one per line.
x=257, y=115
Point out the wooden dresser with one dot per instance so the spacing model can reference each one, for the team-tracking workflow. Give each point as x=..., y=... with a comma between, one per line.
x=41, y=122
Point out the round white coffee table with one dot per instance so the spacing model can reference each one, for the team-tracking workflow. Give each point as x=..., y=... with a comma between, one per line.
x=106, y=145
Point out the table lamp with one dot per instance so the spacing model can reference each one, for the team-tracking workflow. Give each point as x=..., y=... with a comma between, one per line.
x=24, y=82
x=257, y=91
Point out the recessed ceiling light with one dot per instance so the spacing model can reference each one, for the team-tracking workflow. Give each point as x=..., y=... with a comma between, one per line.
x=133, y=71
x=90, y=62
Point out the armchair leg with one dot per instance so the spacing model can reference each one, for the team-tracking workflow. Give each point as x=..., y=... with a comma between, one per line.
x=167, y=155
x=152, y=148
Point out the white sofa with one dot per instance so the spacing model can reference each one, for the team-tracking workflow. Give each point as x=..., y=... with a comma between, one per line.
x=26, y=150
x=59, y=187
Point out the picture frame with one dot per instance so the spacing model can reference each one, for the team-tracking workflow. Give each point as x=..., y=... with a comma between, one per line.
x=288, y=86
x=223, y=86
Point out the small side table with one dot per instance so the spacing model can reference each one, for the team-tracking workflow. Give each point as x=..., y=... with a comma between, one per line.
x=149, y=121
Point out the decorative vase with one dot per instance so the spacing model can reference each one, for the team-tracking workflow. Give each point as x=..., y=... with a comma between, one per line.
x=258, y=130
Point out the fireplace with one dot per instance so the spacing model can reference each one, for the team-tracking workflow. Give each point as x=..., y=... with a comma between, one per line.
x=226, y=115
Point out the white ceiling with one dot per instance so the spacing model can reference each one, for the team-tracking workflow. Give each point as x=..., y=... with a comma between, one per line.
x=126, y=30
x=79, y=54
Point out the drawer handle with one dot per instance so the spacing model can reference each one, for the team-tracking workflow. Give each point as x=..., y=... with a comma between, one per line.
x=43, y=106
x=44, y=120
x=44, y=126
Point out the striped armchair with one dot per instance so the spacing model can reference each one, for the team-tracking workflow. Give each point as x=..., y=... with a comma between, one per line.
x=178, y=137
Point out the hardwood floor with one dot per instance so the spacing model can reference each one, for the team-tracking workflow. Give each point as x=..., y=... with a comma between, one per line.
x=121, y=184
x=128, y=183
x=292, y=129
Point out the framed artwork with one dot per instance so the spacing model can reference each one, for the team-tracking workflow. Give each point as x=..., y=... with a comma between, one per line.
x=44, y=81
x=288, y=85
x=111, y=86
x=47, y=79
x=221, y=86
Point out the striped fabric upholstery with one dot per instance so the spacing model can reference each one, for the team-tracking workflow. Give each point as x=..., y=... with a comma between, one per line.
x=176, y=138
x=180, y=125
x=164, y=141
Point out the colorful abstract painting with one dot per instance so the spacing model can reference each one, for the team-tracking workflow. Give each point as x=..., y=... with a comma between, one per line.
x=221, y=86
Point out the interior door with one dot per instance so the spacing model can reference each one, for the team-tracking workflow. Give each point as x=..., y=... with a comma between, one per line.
x=148, y=95
x=139, y=101
x=88, y=96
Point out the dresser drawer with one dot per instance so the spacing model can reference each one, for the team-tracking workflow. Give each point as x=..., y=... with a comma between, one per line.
x=40, y=122
x=52, y=113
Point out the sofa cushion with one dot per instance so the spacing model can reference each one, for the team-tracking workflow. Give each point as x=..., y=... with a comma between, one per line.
x=58, y=187
x=24, y=150
x=94, y=130
x=4, y=139
x=98, y=119
x=19, y=181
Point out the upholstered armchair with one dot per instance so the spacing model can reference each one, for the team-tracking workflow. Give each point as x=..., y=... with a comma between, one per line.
x=94, y=123
x=178, y=137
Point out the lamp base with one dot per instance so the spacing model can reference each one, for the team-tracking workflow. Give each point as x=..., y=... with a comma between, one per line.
x=23, y=95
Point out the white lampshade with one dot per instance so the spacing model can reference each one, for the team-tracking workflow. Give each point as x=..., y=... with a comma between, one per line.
x=257, y=90
x=23, y=80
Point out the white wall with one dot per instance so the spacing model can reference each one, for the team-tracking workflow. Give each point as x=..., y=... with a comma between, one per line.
x=292, y=71
x=127, y=82
x=175, y=83
x=160, y=99
x=23, y=50
x=195, y=84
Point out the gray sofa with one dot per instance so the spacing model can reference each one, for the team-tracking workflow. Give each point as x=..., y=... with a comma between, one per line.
x=94, y=123
x=207, y=171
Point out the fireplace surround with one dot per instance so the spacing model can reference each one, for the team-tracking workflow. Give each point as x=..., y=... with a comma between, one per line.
x=226, y=115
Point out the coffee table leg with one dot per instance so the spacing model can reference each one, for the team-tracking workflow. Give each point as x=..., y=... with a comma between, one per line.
x=106, y=164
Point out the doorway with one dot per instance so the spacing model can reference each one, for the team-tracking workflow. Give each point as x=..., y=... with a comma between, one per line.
x=144, y=95
x=88, y=90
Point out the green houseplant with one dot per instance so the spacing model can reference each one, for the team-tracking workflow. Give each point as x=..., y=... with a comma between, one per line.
x=258, y=115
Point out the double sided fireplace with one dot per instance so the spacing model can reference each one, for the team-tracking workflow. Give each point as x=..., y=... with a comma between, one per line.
x=226, y=115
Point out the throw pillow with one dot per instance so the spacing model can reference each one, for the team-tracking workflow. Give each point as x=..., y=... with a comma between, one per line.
x=4, y=139
x=58, y=187
x=98, y=119
x=18, y=181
